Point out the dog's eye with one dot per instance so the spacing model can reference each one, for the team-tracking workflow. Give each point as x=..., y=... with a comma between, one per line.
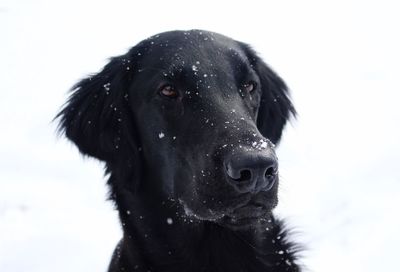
x=249, y=86
x=168, y=91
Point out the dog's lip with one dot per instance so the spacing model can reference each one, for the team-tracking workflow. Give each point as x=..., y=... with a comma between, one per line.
x=252, y=208
x=249, y=210
x=244, y=216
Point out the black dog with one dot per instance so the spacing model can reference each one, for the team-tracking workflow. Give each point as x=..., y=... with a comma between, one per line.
x=186, y=124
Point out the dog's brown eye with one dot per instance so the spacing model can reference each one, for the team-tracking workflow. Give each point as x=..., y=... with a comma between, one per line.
x=168, y=91
x=249, y=86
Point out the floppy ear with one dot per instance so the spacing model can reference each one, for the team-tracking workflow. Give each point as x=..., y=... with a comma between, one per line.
x=275, y=107
x=97, y=117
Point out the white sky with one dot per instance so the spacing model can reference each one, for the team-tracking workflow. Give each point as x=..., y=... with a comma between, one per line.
x=339, y=160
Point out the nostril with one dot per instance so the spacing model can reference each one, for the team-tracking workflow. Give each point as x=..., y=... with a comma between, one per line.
x=270, y=173
x=244, y=175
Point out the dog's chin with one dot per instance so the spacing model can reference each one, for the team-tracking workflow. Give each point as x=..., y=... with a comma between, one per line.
x=242, y=223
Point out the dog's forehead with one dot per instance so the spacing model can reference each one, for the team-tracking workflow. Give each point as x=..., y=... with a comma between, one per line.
x=192, y=39
x=193, y=49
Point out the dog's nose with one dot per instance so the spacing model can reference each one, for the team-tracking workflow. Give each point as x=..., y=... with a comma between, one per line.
x=252, y=173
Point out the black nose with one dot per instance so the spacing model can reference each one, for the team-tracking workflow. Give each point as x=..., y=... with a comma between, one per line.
x=251, y=173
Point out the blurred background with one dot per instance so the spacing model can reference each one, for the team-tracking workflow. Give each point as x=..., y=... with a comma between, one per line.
x=340, y=188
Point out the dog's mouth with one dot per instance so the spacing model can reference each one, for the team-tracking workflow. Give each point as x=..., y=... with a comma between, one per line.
x=243, y=211
x=251, y=211
x=249, y=214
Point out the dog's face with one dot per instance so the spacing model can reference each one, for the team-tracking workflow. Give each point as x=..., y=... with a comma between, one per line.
x=200, y=111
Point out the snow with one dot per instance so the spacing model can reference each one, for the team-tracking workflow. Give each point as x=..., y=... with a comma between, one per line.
x=263, y=145
x=339, y=185
x=107, y=86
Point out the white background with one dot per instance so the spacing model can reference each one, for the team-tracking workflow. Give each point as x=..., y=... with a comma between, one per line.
x=339, y=160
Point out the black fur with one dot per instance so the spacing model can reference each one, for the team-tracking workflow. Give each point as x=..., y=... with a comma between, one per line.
x=165, y=155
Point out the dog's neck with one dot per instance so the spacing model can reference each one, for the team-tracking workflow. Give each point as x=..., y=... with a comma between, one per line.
x=156, y=239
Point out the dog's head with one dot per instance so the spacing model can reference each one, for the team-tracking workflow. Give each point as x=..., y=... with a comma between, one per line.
x=193, y=116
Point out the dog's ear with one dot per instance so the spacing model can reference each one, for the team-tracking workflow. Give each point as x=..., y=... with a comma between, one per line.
x=275, y=107
x=97, y=116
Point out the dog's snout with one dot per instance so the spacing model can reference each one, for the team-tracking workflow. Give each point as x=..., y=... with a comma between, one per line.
x=252, y=173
